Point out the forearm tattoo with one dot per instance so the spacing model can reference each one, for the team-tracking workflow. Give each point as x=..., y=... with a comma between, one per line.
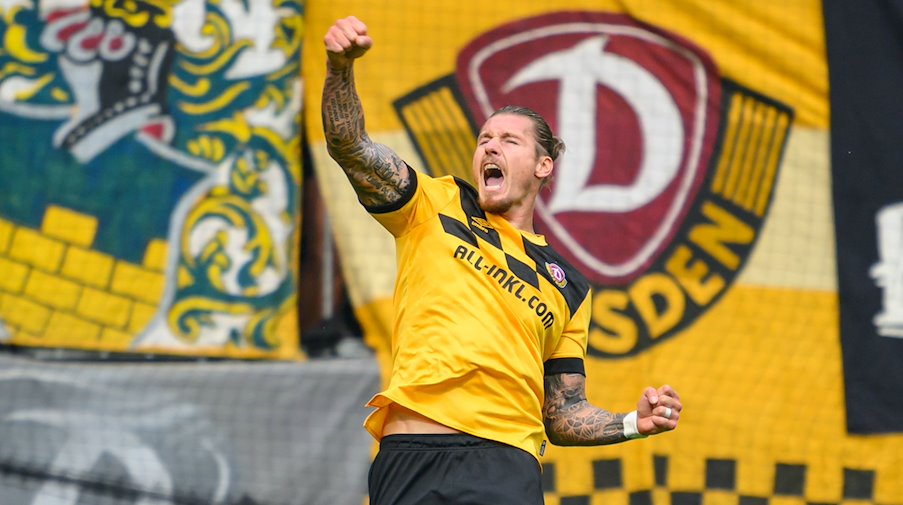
x=378, y=175
x=571, y=420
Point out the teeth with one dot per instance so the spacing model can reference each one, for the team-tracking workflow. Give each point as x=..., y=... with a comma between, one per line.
x=491, y=170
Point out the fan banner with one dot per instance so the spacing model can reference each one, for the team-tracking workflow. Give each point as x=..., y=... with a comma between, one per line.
x=867, y=158
x=695, y=194
x=151, y=175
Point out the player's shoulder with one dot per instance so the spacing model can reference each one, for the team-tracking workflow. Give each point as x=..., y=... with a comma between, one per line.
x=447, y=186
x=453, y=184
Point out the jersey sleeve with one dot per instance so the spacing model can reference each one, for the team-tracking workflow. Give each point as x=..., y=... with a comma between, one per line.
x=420, y=202
x=573, y=341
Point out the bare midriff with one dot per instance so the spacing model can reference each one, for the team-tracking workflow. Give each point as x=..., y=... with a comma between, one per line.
x=401, y=420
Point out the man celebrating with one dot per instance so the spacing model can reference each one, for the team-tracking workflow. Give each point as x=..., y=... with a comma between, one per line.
x=490, y=326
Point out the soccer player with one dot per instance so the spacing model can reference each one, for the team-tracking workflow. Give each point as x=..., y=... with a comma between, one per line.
x=490, y=325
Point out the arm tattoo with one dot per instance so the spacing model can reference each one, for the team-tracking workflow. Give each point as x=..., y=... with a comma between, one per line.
x=571, y=420
x=378, y=175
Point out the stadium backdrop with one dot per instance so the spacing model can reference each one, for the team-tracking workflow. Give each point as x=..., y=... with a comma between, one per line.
x=760, y=277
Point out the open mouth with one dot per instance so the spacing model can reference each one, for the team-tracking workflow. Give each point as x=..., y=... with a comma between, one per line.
x=492, y=176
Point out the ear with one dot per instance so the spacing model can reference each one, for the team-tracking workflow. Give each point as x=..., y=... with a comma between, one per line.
x=544, y=168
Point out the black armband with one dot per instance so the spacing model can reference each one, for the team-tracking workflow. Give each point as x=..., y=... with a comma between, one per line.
x=565, y=365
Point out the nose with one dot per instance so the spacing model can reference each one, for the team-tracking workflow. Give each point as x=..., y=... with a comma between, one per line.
x=491, y=146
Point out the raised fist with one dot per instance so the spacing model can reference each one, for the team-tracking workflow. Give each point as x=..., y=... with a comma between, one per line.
x=346, y=40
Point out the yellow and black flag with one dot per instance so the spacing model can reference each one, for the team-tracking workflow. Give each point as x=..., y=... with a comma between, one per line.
x=695, y=195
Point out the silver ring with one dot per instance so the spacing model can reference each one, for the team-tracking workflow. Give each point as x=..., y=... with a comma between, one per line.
x=667, y=413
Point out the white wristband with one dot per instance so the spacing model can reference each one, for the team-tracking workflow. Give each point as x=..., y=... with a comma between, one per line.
x=630, y=429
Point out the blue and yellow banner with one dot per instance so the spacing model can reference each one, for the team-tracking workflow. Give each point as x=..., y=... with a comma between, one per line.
x=696, y=195
x=151, y=173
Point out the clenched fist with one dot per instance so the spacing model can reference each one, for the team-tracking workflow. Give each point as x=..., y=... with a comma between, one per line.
x=345, y=41
x=658, y=410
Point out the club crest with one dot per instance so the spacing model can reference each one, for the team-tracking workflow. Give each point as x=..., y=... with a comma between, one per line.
x=557, y=274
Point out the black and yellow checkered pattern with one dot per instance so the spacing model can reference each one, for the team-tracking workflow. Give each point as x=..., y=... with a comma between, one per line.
x=722, y=486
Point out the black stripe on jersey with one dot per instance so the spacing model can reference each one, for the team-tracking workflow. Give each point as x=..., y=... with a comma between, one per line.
x=471, y=206
x=454, y=227
x=489, y=235
x=522, y=271
x=577, y=286
x=405, y=197
x=564, y=365
x=469, y=199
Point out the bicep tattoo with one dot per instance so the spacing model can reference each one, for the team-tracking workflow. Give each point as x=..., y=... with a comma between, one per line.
x=378, y=175
x=571, y=420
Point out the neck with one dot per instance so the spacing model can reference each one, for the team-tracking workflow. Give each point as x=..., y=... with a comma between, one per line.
x=520, y=212
x=521, y=217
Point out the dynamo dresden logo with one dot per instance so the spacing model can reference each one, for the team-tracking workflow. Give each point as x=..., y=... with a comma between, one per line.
x=557, y=274
x=669, y=168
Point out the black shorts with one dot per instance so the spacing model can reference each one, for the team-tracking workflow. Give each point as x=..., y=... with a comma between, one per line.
x=453, y=470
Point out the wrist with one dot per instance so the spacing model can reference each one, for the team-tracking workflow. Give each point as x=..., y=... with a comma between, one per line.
x=630, y=427
x=335, y=68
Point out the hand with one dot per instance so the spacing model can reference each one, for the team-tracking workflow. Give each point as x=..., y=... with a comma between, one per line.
x=345, y=41
x=654, y=408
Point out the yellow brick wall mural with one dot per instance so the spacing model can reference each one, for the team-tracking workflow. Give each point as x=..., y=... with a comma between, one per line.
x=151, y=168
x=58, y=292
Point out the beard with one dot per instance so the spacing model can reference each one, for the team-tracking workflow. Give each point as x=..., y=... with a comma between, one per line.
x=494, y=205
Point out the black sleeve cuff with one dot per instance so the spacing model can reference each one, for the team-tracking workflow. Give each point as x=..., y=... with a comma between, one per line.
x=565, y=365
x=405, y=197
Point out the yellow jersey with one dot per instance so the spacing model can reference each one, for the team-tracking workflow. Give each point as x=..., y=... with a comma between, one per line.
x=481, y=310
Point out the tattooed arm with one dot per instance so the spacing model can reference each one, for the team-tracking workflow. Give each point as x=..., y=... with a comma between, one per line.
x=571, y=420
x=378, y=175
